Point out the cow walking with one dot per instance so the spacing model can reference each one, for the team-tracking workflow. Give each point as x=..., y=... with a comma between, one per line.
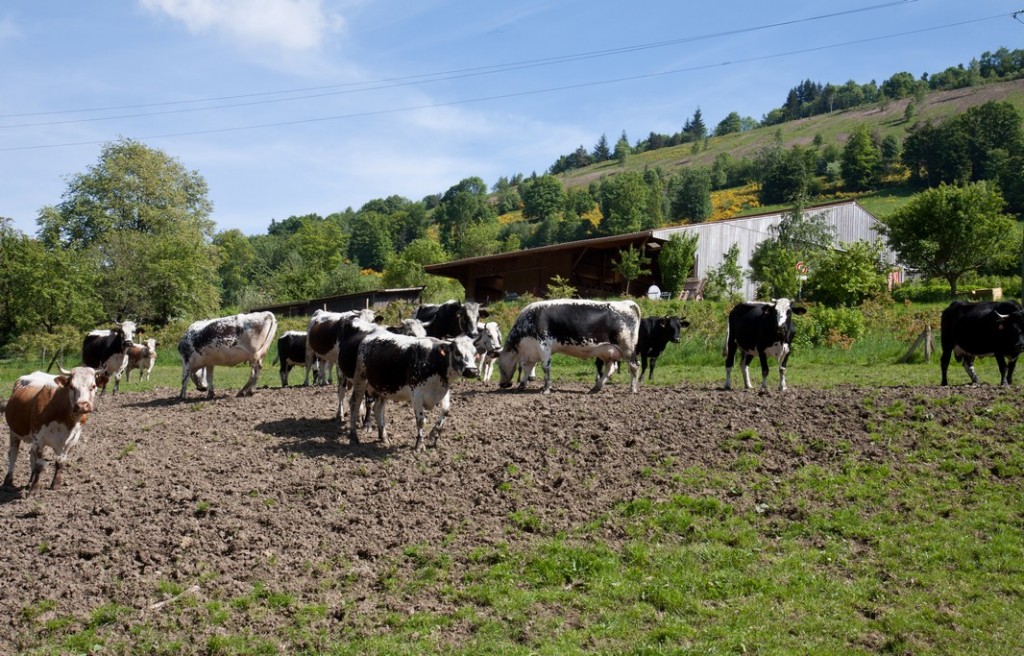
x=49, y=412
x=291, y=351
x=225, y=341
x=972, y=330
x=760, y=329
x=322, y=338
x=607, y=331
x=108, y=350
x=403, y=368
x=655, y=335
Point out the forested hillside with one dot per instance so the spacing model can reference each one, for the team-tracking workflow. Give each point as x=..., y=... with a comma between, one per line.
x=132, y=236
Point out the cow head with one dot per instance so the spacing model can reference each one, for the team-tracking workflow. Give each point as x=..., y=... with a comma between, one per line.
x=489, y=339
x=469, y=316
x=1010, y=330
x=461, y=356
x=80, y=384
x=782, y=311
x=126, y=330
x=671, y=327
x=508, y=361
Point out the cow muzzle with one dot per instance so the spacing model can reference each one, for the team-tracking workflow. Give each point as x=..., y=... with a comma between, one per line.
x=470, y=372
x=83, y=407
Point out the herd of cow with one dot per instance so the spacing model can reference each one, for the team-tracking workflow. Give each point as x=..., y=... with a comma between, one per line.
x=417, y=360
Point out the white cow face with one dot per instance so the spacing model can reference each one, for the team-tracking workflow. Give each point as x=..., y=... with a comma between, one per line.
x=463, y=357
x=507, y=363
x=127, y=330
x=81, y=383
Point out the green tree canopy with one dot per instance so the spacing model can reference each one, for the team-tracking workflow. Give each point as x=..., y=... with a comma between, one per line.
x=464, y=205
x=861, y=160
x=631, y=265
x=623, y=200
x=731, y=123
x=543, y=198
x=950, y=231
x=676, y=261
x=690, y=191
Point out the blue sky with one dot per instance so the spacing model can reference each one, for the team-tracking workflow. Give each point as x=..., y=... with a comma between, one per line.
x=364, y=99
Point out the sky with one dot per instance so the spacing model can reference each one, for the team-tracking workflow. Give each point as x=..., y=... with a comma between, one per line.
x=294, y=107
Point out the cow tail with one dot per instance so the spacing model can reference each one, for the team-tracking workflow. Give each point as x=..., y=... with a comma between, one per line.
x=725, y=347
x=268, y=339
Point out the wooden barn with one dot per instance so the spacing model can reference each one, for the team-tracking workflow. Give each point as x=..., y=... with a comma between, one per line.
x=588, y=264
x=378, y=298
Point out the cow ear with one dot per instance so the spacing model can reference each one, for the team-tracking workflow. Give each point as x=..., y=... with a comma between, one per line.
x=443, y=350
x=799, y=310
x=140, y=329
x=61, y=380
x=102, y=377
x=378, y=318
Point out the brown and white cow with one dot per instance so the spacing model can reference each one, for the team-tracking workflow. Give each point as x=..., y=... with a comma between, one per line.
x=225, y=341
x=418, y=370
x=108, y=350
x=141, y=357
x=49, y=412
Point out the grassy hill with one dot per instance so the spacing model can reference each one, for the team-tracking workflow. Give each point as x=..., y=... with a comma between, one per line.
x=885, y=118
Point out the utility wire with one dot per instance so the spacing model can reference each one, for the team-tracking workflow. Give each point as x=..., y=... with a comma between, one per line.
x=520, y=94
x=387, y=83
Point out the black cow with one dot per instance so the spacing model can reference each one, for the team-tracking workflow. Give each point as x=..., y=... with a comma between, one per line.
x=291, y=351
x=760, y=329
x=655, y=334
x=583, y=329
x=971, y=330
x=418, y=370
x=451, y=318
x=107, y=350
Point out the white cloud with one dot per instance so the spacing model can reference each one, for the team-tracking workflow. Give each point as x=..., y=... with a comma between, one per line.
x=292, y=25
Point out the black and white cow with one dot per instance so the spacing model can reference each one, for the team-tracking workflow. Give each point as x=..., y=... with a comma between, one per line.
x=403, y=368
x=225, y=341
x=488, y=347
x=607, y=330
x=291, y=351
x=107, y=350
x=322, y=338
x=971, y=330
x=451, y=318
x=760, y=329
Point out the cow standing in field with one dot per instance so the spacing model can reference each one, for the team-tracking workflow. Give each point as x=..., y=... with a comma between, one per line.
x=488, y=348
x=417, y=370
x=141, y=357
x=655, y=334
x=225, y=341
x=108, y=350
x=451, y=318
x=322, y=338
x=604, y=330
x=760, y=329
x=971, y=330
x=49, y=411
x=291, y=351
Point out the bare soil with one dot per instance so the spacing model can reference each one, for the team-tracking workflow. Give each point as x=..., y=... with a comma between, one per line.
x=214, y=498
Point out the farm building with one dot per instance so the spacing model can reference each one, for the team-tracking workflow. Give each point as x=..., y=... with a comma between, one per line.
x=588, y=264
x=379, y=298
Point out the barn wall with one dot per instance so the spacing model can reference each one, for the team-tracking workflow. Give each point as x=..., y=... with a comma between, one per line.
x=852, y=223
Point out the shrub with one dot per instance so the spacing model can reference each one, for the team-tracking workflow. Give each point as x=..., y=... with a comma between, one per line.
x=823, y=326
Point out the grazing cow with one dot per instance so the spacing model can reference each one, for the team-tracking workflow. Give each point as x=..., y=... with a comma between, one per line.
x=410, y=327
x=322, y=338
x=760, y=329
x=49, y=411
x=225, y=341
x=583, y=329
x=451, y=318
x=418, y=370
x=108, y=350
x=291, y=351
x=488, y=347
x=141, y=357
x=971, y=330
x=655, y=334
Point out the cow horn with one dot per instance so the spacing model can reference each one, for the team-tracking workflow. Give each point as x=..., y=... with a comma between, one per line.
x=63, y=371
x=1002, y=317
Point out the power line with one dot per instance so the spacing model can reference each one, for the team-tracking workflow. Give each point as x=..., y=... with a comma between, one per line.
x=519, y=94
x=387, y=83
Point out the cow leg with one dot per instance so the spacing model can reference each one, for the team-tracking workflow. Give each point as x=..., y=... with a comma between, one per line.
x=968, y=363
x=546, y=366
x=1011, y=364
x=209, y=381
x=12, y=457
x=378, y=413
x=256, y=366
x=370, y=406
x=643, y=365
x=944, y=364
x=285, y=370
x=58, y=475
x=783, y=359
x=444, y=404
x=745, y=360
x=358, y=391
x=634, y=375
x=36, y=464
x=421, y=419
x=763, y=359
x=184, y=381
x=650, y=373
x=730, y=358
